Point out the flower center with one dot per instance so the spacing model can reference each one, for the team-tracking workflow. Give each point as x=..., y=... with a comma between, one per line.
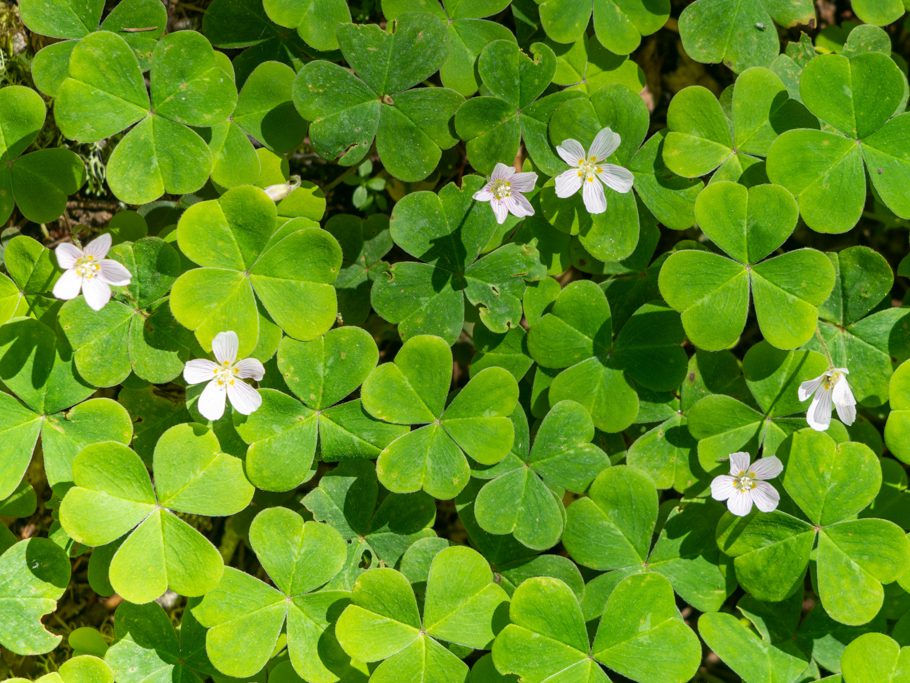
x=744, y=481
x=501, y=189
x=589, y=168
x=226, y=374
x=831, y=378
x=87, y=267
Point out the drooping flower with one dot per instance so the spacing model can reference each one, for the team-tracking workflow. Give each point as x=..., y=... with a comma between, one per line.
x=588, y=171
x=281, y=190
x=224, y=378
x=829, y=387
x=747, y=484
x=506, y=191
x=88, y=271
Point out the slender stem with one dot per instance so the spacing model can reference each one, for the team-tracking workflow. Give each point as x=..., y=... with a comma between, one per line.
x=824, y=344
x=348, y=171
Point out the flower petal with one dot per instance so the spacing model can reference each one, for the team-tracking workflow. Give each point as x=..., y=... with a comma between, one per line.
x=96, y=292
x=244, y=398
x=115, y=273
x=224, y=346
x=524, y=182
x=99, y=246
x=819, y=413
x=250, y=368
x=739, y=462
x=67, y=254
x=616, y=178
x=68, y=285
x=199, y=370
x=502, y=172
x=593, y=194
x=807, y=388
x=844, y=402
x=211, y=401
x=767, y=468
x=483, y=195
x=571, y=152
x=605, y=143
x=740, y=504
x=765, y=496
x=722, y=487
x=568, y=183
x=500, y=210
x=519, y=206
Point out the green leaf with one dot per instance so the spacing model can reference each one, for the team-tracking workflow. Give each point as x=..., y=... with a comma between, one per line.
x=299, y=557
x=864, y=278
x=739, y=33
x=897, y=428
x=265, y=109
x=830, y=482
x=752, y=656
x=642, y=635
x=104, y=92
x=316, y=22
x=35, y=573
x=612, y=527
x=618, y=25
x=874, y=657
x=546, y=636
x=67, y=19
x=235, y=241
x=381, y=106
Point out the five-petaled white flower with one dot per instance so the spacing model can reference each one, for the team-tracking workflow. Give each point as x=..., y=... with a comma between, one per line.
x=505, y=192
x=747, y=484
x=830, y=387
x=588, y=171
x=87, y=270
x=224, y=378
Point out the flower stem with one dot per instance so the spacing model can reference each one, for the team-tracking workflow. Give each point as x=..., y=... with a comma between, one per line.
x=824, y=344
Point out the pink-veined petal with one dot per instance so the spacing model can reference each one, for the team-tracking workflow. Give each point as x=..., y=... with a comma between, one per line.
x=211, y=401
x=767, y=468
x=115, y=273
x=96, y=292
x=244, y=398
x=605, y=143
x=617, y=178
x=844, y=402
x=519, y=206
x=594, y=197
x=807, y=388
x=68, y=285
x=99, y=246
x=502, y=172
x=765, y=496
x=722, y=487
x=250, y=368
x=571, y=152
x=819, y=413
x=740, y=503
x=483, y=195
x=67, y=254
x=739, y=462
x=524, y=182
x=199, y=370
x=568, y=183
x=224, y=346
x=500, y=210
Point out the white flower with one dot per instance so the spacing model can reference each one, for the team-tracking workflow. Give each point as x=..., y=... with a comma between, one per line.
x=224, y=378
x=830, y=387
x=588, y=171
x=278, y=192
x=746, y=484
x=505, y=192
x=87, y=270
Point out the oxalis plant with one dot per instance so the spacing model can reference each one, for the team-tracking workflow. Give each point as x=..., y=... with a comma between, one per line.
x=454, y=341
